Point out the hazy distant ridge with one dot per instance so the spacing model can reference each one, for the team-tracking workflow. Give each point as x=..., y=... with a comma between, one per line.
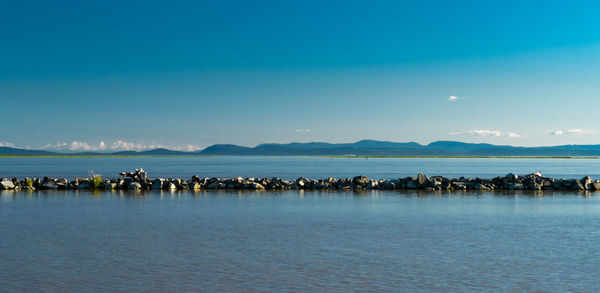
x=360, y=148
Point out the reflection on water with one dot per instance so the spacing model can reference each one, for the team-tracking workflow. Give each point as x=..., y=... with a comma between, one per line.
x=9, y=194
x=299, y=241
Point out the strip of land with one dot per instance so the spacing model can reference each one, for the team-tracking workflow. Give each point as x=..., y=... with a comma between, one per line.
x=360, y=148
x=138, y=180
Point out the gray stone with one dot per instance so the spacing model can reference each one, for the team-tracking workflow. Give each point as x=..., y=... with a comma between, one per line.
x=510, y=177
x=157, y=184
x=576, y=185
x=47, y=185
x=134, y=186
x=195, y=185
x=7, y=184
x=372, y=184
x=422, y=181
x=360, y=180
x=257, y=186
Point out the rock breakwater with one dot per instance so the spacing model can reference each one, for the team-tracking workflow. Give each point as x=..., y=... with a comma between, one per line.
x=139, y=180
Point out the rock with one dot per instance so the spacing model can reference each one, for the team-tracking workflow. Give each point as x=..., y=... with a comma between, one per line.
x=81, y=186
x=169, y=186
x=137, y=175
x=422, y=181
x=110, y=185
x=257, y=186
x=510, y=177
x=535, y=186
x=360, y=180
x=7, y=184
x=372, y=184
x=157, y=184
x=479, y=186
x=587, y=182
x=195, y=185
x=47, y=185
x=134, y=186
x=576, y=185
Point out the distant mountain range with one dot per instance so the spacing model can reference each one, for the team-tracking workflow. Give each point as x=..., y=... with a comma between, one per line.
x=360, y=148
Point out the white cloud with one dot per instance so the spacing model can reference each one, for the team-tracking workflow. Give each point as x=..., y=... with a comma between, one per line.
x=119, y=145
x=574, y=131
x=80, y=146
x=6, y=144
x=452, y=98
x=189, y=148
x=302, y=130
x=580, y=131
x=125, y=146
x=486, y=132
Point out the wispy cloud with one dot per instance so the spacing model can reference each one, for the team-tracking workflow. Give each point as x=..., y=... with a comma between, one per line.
x=486, y=132
x=580, y=131
x=6, y=144
x=302, y=130
x=118, y=145
x=574, y=131
x=455, y=98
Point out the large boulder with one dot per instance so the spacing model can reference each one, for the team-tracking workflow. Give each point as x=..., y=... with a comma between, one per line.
x=157, y=184
x=422, y=181
x=360, y=180
x=7, y=184
x=169, y=186
x=576, y=185
x=257, y=186
x=48, y=185
x=373, y=184
x=134, y=186
x=194, y=185
x=587, y=182
x=510, y=177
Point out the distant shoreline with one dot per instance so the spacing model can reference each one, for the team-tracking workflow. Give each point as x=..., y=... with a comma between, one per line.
x=368, y=148
x=310, y=156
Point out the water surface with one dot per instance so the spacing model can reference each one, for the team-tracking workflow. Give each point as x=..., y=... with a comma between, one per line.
x=293, y=167
x=299, y=241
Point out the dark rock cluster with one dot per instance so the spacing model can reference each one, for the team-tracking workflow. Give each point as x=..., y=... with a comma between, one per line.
x=138, y=181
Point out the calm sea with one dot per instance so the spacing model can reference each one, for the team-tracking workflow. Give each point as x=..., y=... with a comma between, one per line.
x=296, y=241
x=294, y=167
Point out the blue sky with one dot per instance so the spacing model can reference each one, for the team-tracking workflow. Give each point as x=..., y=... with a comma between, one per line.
x=105, y=75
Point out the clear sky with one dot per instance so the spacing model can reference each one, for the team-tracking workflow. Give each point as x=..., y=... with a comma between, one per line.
x=188, y=74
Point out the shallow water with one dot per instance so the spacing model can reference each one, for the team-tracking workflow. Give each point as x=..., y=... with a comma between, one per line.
x=299, y=241
x=294, y=167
